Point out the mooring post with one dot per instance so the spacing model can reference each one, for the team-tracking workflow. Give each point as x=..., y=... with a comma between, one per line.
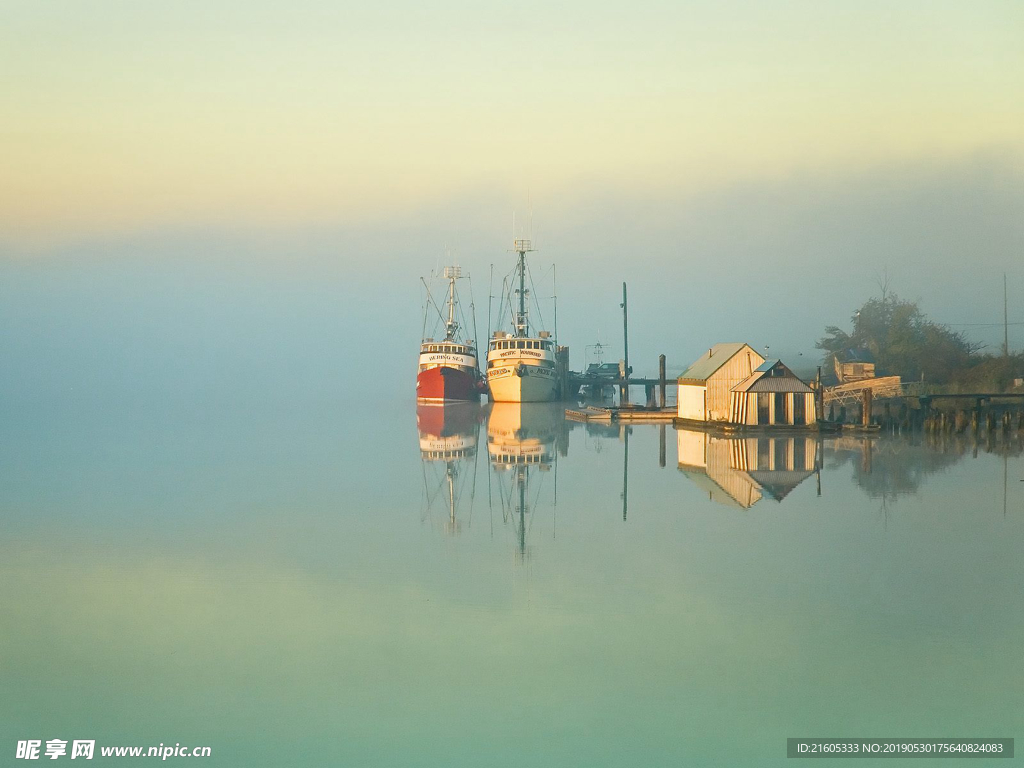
x=624, y=392
x=661, y=379
x=866, y=408
x=819, y=399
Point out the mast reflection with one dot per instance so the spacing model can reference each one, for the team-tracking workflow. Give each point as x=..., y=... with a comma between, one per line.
x=521, y=446
x=448, y=451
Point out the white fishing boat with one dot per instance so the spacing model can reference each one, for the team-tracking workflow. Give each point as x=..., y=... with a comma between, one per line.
x=520, y=365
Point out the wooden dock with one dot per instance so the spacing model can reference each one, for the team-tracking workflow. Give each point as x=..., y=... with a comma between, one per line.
x=632, y=414
x=732, y=428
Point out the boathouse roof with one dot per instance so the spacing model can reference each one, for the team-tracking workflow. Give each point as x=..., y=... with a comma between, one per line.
x=772, y=376
x=704, y=367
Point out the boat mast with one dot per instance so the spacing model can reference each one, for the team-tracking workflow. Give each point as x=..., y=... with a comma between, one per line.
x=522, y=247
x=451, y=327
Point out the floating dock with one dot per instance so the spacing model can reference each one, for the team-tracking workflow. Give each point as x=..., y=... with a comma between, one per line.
x=633, y=414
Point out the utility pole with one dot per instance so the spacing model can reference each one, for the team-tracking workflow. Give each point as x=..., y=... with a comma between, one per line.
x=1006, y=324
x=624, y=391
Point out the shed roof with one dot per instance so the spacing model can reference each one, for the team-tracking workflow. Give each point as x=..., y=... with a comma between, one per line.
x=741, y=497
x=855, y=356
x=704, y=367
x=772, y=376
x=777, y=484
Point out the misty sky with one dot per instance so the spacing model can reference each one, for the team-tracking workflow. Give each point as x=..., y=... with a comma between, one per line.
x=232, y=195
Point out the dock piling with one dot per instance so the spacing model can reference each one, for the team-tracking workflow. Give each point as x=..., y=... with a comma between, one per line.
x=661, y=378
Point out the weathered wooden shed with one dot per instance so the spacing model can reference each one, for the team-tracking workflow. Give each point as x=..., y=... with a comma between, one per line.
x=854, y=365
x=705, y=388
x=774, y=395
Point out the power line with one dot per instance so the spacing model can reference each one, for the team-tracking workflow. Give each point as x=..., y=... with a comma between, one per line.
x=979, y=325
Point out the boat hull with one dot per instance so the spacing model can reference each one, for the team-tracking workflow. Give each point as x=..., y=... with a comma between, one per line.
x=444, y=384
x=523, y=384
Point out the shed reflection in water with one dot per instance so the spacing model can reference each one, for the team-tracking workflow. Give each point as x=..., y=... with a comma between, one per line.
x=740, y=471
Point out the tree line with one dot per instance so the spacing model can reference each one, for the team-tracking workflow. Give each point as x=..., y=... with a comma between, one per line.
x=904, y=342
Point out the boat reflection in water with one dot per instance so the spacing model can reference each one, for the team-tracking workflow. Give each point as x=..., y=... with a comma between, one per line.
x=740, y=471
x=448, y=450
x=522, y=441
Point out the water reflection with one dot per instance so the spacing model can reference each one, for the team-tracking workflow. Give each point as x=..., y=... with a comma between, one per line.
x=522, y=441
x=740, y=471
x=889, y=466
x=448, y=449
x=525, y=441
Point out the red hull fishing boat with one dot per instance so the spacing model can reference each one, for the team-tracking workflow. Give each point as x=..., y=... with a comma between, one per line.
x=448, y=369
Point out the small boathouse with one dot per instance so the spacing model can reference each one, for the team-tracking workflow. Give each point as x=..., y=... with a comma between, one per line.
x=705, y=388
x=772, y=395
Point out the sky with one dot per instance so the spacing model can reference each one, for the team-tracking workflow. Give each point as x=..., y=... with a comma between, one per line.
x=237, y=183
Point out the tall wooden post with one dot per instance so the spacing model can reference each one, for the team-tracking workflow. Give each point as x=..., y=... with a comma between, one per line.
x=661, y=378
x=866, y=407
x=819, y=399
x=624, y=391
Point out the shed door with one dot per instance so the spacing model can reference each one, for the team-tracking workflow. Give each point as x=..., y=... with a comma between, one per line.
x=781, y=408
x=799, y=408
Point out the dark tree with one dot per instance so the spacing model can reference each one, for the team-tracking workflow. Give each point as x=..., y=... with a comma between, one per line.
x=902, y=340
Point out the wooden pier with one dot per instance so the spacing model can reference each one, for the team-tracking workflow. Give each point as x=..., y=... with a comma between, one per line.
x=655, y=389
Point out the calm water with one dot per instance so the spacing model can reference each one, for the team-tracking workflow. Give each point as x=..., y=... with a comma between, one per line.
x=337, y=585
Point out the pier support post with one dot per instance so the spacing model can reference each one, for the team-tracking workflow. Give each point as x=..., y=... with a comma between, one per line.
x=819, y=400
x=624, y=393
x=661, y=379
x=866, y=408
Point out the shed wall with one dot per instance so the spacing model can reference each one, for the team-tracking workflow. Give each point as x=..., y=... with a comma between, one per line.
x=722, y=381
x=691, y=402
x=744, y=409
